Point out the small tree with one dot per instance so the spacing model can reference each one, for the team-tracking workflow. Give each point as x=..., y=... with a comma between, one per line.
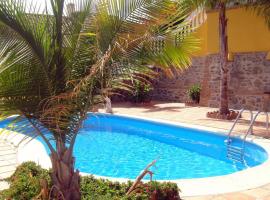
x=261, y=6
x=223, y=45
x=55, y=64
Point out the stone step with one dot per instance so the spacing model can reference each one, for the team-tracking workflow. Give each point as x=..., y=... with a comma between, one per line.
x=11, y=162
x=4, y=145
x=4, y=185
x=4, y=152
x=6, y=171
x=8, y=157
x=7, y=168
x=8, y=162
x=6, y=148
x=6, y=174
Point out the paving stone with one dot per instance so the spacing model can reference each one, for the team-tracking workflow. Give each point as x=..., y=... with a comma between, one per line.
x=199, y=198
x=258, y=192
x=265, y=198
x=238, y=196
x=267, y=187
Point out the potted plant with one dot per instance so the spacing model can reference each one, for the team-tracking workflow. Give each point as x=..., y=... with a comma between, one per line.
x=194, y=94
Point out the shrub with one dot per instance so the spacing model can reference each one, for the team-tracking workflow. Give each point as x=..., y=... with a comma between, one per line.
x=141, y=93
x=99, y=189
x=194, y=92
x=24, y=185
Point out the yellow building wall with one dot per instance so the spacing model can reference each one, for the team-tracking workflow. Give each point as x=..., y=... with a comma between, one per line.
x=247, y=32
x=201, y=34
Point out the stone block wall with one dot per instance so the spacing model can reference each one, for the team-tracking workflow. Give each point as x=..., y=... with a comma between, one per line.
x=249, y=81
x=174, y=89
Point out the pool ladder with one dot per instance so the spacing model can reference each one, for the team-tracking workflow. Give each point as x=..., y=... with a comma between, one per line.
x=236, y=153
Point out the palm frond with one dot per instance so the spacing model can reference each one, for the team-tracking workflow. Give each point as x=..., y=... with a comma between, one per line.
x=145, y=31
x=262, y=8
x=55, y=67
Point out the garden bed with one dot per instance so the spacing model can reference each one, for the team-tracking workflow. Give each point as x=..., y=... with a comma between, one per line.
x=191, y=103
x=25, y=183
x=216, y=115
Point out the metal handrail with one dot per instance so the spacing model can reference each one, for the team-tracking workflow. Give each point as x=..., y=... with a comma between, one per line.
x=235, y=122
x=249, y=131
x=253, y=121
x=251, y=125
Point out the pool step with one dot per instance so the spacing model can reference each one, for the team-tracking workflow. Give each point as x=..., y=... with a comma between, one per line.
x=235, y=153
x=8, y=161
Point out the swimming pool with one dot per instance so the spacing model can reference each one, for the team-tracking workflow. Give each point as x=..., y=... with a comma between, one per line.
x=120, y=147
x=117, y=146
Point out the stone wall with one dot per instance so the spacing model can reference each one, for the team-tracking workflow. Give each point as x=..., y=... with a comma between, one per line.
x=249, y=80
x=174, y=89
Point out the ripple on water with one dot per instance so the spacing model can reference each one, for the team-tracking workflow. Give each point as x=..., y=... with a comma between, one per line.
x=124, y=156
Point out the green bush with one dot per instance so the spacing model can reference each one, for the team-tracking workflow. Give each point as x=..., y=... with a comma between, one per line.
x=194, y=92
x=99, y=189
x=24, y=185
x=141, y=92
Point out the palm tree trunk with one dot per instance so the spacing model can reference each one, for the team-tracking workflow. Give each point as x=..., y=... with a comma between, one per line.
x=64, y=178
x=223, y=108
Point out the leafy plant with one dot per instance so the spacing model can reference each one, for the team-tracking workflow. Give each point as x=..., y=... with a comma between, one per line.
x=25, y=182
x=194, y=92
x=24, y=185
x=141, y=92
x=55, y=64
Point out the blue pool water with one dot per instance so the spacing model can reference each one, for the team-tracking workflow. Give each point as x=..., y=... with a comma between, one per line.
x=121, y=147
x=117, y=146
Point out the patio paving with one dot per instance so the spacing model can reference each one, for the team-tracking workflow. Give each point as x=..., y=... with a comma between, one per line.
x=177, y=112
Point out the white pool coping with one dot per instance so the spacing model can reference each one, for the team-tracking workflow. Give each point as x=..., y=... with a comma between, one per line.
x=243, y=180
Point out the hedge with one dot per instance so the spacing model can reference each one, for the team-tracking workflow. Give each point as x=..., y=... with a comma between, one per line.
x=24, y=185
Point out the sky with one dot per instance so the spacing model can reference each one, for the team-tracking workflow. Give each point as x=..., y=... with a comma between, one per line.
x=42, y=3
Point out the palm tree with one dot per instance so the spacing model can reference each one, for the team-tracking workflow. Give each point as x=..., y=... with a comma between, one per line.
x=262, y=7
x=223, y=38
x=55, y=64
x=223, y=44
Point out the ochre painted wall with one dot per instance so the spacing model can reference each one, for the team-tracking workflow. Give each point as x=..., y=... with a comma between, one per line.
x=247, y=32
x=201, y=34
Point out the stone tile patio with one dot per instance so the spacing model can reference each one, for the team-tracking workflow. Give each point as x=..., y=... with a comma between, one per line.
x=177, y=112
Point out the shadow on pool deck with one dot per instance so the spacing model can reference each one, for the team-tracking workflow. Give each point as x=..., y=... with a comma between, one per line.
x=177, y=112
x=158, y=109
